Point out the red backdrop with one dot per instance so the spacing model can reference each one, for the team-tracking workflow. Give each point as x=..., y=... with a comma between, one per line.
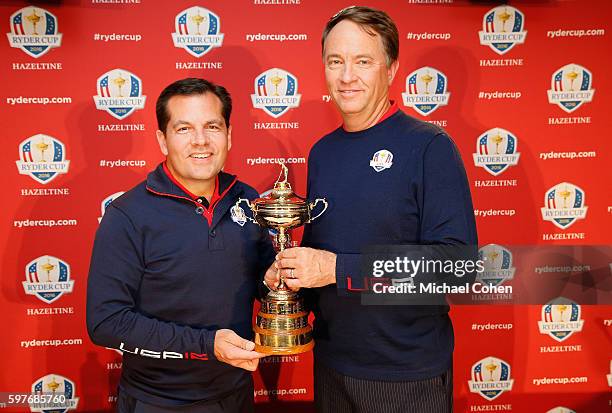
x=76, y=134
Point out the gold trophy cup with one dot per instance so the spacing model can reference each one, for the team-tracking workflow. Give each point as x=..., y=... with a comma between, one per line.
x=119, y=81
x=34, y=19
x=276, y=80
x=282, y=322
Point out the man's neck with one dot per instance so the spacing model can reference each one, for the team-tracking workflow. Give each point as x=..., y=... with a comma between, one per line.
x=359, y=121
x=193, y=189
x=203, y=189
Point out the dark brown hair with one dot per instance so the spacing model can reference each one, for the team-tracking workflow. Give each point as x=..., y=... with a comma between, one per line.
x=374, y=22
x=187, y=87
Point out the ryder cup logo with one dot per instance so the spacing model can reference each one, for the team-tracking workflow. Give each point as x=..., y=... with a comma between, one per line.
x=382, y=160
x=119, y=93
x=560, y=319
x=570, y=87
x=47, y=278
x=490, y=378
x=197, y=31
x=34, y=30
x=426, y=90
x=107, y=201
x=496, y=151
x=497, y=265
x=560, y=410
x=238, y=215
x=42, y=157
x=502, y=29
x=563, y=205
x=61, y=391
x=276, y=92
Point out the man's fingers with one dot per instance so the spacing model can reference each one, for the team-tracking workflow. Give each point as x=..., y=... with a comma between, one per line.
x=249, y=345
x=250, y=365
x=238, y=353
x=290, y=252
x=240, y=342
x=293, y=283
x=285, y=263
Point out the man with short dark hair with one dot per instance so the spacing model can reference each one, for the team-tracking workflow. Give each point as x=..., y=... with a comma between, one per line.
x=174, y=271
x=389, y=179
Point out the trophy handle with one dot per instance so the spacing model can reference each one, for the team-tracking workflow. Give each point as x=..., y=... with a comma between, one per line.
x=250, y=208
x=312, y=206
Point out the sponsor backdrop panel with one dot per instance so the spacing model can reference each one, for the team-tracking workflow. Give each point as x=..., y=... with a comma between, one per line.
x=522, y=88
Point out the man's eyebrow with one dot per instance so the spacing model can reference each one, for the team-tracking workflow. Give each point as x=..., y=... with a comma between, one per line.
x=217, y=121
x=179, y=122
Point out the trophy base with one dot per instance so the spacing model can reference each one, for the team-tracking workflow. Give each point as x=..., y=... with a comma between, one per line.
x=279, y=351
x=282, y=325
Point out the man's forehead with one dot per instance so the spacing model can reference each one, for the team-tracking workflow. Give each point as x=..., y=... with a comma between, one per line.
x=350, y=36
x=204, y=104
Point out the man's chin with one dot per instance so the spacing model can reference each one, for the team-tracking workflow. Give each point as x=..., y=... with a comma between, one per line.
x=350, y=108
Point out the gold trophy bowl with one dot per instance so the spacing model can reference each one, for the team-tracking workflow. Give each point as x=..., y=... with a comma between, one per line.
x=282, y=322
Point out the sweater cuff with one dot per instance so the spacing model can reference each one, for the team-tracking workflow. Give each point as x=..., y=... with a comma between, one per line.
x=347, y=273
x=209, y=343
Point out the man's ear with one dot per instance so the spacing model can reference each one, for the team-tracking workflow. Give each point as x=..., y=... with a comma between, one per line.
x=161, y=139
x=392, y=71
x=229, y=138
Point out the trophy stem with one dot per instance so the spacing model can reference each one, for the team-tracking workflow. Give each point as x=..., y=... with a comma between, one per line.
x=281, y=240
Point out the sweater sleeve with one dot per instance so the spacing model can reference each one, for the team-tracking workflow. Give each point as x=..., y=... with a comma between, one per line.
x=446, y=213
x=115, y=273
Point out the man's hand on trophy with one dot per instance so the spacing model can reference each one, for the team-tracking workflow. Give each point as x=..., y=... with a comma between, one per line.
x=272, y=278
x=306, y=267
x=232, y=349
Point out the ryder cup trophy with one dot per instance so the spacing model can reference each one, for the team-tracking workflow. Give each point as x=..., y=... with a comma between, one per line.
x=282, y=322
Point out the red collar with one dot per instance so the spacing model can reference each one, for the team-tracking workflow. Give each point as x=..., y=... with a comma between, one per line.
x=391, y=111
x=215, y=195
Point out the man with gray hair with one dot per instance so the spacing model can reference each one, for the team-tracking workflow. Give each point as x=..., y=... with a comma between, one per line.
x=390, y=179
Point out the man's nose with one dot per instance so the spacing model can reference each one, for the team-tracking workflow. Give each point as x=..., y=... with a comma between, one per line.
x=200, y=137
x=347, y=74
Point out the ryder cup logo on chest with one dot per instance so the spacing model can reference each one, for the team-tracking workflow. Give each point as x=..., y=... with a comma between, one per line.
x=276, y=91
x=107, y=201
x=47, y=278
x=426, y=90
x=238, y=216
x=197, y=31
x=382, y=160
x=502, y=29
x=119, y=93
x=571, y=87
x=490, y=378
x=497, y=265
x=34, y=30
x=564, y=205
x=560, y=319
x=60, y=392
x=42, y=157
x=496, y=151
